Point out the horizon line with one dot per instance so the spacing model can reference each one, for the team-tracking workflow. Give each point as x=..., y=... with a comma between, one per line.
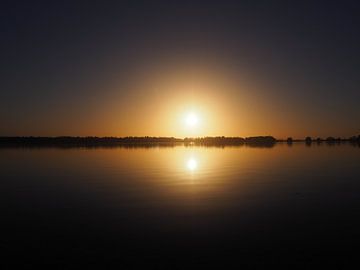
x=182, y=138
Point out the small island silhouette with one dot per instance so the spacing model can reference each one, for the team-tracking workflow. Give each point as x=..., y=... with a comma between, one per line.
x=69, y=142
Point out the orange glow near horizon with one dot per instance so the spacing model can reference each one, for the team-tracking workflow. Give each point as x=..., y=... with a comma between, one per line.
x=182, y=103
x=179, y=101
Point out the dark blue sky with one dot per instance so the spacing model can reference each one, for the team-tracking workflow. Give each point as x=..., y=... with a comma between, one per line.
x=58, y=56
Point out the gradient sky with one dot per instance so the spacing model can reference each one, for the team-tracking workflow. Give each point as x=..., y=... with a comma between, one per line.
x=246, y=68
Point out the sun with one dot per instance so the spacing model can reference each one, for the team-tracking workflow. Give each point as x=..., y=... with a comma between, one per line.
x=191, y=120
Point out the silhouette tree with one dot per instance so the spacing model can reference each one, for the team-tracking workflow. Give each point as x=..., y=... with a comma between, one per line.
x=289, y=140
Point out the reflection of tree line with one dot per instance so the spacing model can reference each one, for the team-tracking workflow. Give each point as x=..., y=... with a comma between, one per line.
x=147, y=142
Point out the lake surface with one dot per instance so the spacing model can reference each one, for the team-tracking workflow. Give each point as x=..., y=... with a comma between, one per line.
x=181, y=207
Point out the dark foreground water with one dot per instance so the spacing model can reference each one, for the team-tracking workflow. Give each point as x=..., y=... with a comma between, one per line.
x=181, y=207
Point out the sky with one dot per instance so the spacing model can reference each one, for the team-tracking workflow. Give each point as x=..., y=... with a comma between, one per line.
x=140, y=68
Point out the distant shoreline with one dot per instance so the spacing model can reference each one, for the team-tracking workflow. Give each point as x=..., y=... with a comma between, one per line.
x=68, y=142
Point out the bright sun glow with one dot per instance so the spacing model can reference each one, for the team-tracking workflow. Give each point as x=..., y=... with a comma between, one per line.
x=191, y=120
x=191, y=164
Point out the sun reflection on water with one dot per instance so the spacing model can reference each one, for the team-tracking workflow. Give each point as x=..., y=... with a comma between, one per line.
x=192, y=164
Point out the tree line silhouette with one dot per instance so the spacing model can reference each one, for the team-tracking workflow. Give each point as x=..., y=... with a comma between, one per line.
x=329, y=140
x=68, y=141
x=222, y=140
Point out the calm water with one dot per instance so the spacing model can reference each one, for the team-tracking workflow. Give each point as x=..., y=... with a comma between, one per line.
x=176, y=207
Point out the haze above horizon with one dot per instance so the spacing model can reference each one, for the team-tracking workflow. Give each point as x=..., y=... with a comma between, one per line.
x=180, y=69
